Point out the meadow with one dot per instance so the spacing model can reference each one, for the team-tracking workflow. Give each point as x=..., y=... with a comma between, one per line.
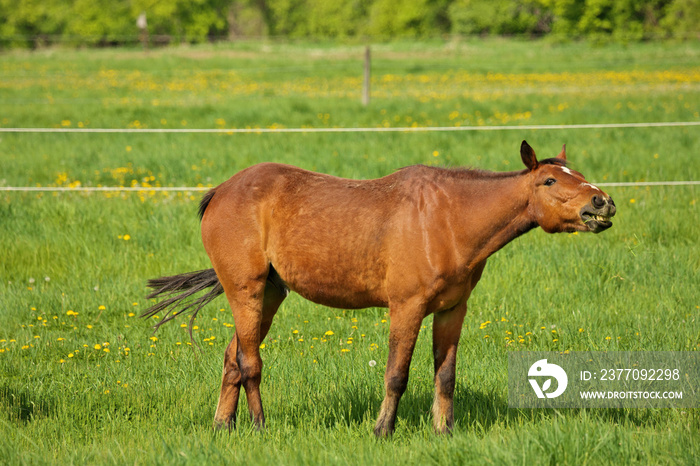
x=84, y=380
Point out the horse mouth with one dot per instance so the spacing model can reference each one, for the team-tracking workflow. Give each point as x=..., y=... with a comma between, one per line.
x=596, y=221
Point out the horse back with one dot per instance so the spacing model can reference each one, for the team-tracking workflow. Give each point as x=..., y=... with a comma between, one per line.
x=325, y=236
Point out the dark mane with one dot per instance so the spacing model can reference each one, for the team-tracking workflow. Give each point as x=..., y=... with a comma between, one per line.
x=554, y=161
x=478, y=173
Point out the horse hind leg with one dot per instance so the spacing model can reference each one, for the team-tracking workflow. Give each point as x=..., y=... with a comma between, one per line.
x=232, y=378
x=227, y=406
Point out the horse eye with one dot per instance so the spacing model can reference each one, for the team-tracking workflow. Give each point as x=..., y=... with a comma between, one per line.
x=550, y=182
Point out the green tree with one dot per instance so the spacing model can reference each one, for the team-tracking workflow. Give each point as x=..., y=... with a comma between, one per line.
x=335, y=19
x=186, y=20
x=413, y=18
x=33, y=22
x=682, y=19
x=499, y=17
x=100, y=21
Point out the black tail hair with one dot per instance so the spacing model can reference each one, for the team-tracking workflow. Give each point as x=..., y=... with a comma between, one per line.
x=190, y=283
x=204, y=203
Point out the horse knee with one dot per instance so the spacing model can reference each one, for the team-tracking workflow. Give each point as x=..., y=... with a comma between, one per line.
x=232, y=375
x=396, y=384
x=445, y=380
x=250, y=371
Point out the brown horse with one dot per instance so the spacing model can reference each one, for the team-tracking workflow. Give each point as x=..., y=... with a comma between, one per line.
x=415, y=241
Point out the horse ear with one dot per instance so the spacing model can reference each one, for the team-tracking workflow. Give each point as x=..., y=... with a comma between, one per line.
x=528, y=156
x=562, y=154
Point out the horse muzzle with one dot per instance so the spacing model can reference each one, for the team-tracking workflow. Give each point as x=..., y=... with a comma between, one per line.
x=596, y=215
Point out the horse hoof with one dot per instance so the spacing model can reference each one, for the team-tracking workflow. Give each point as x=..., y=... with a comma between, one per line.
x=383, y=432
x=221, y=425
x=443, y=430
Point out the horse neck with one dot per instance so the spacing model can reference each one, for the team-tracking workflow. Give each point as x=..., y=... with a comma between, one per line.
x=497, y=213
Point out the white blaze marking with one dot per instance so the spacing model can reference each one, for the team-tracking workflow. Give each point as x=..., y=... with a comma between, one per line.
x=594, y=187
x=569, y=172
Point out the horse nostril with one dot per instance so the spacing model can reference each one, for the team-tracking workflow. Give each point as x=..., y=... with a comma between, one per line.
x=598, y=202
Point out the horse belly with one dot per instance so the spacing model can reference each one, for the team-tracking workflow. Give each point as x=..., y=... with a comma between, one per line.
x=335, y=264
x=331, y=279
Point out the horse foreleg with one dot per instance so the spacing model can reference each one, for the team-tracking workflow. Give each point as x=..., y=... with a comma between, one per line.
x=403, y=332
x=447, y=327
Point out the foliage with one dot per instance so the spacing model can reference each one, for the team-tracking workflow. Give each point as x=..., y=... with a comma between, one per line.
x=33, y=22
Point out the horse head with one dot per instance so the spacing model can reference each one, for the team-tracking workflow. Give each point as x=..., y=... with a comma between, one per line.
x=561, y=199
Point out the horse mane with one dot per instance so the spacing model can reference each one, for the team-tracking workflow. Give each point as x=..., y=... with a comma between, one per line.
x=554, y=161
x=478, y=173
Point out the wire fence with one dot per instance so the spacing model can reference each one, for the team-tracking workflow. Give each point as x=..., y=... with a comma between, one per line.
x=402, y=129
x=142, y=189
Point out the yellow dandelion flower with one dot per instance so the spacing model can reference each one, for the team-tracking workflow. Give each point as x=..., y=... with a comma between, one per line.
x=329, y=333
x=97, y=346
x=262, y=345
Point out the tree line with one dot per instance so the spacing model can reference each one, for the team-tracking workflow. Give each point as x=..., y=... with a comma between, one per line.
x=32, y=23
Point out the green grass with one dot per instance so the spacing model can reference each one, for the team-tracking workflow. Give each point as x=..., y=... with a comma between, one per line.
x=631, y=288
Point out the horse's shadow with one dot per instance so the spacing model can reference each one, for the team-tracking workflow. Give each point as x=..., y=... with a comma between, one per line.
x=475, y=410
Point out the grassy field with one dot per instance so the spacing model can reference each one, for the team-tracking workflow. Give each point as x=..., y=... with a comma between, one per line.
x=83, y=380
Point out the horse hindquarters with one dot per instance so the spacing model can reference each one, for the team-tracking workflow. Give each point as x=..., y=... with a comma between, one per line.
x=232, y=238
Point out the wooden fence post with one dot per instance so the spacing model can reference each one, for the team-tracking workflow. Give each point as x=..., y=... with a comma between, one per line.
x=365, y=82
x=142, y=24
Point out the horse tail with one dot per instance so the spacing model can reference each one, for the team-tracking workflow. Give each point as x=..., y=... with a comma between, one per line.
x=204, y=203
x=179, y=290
